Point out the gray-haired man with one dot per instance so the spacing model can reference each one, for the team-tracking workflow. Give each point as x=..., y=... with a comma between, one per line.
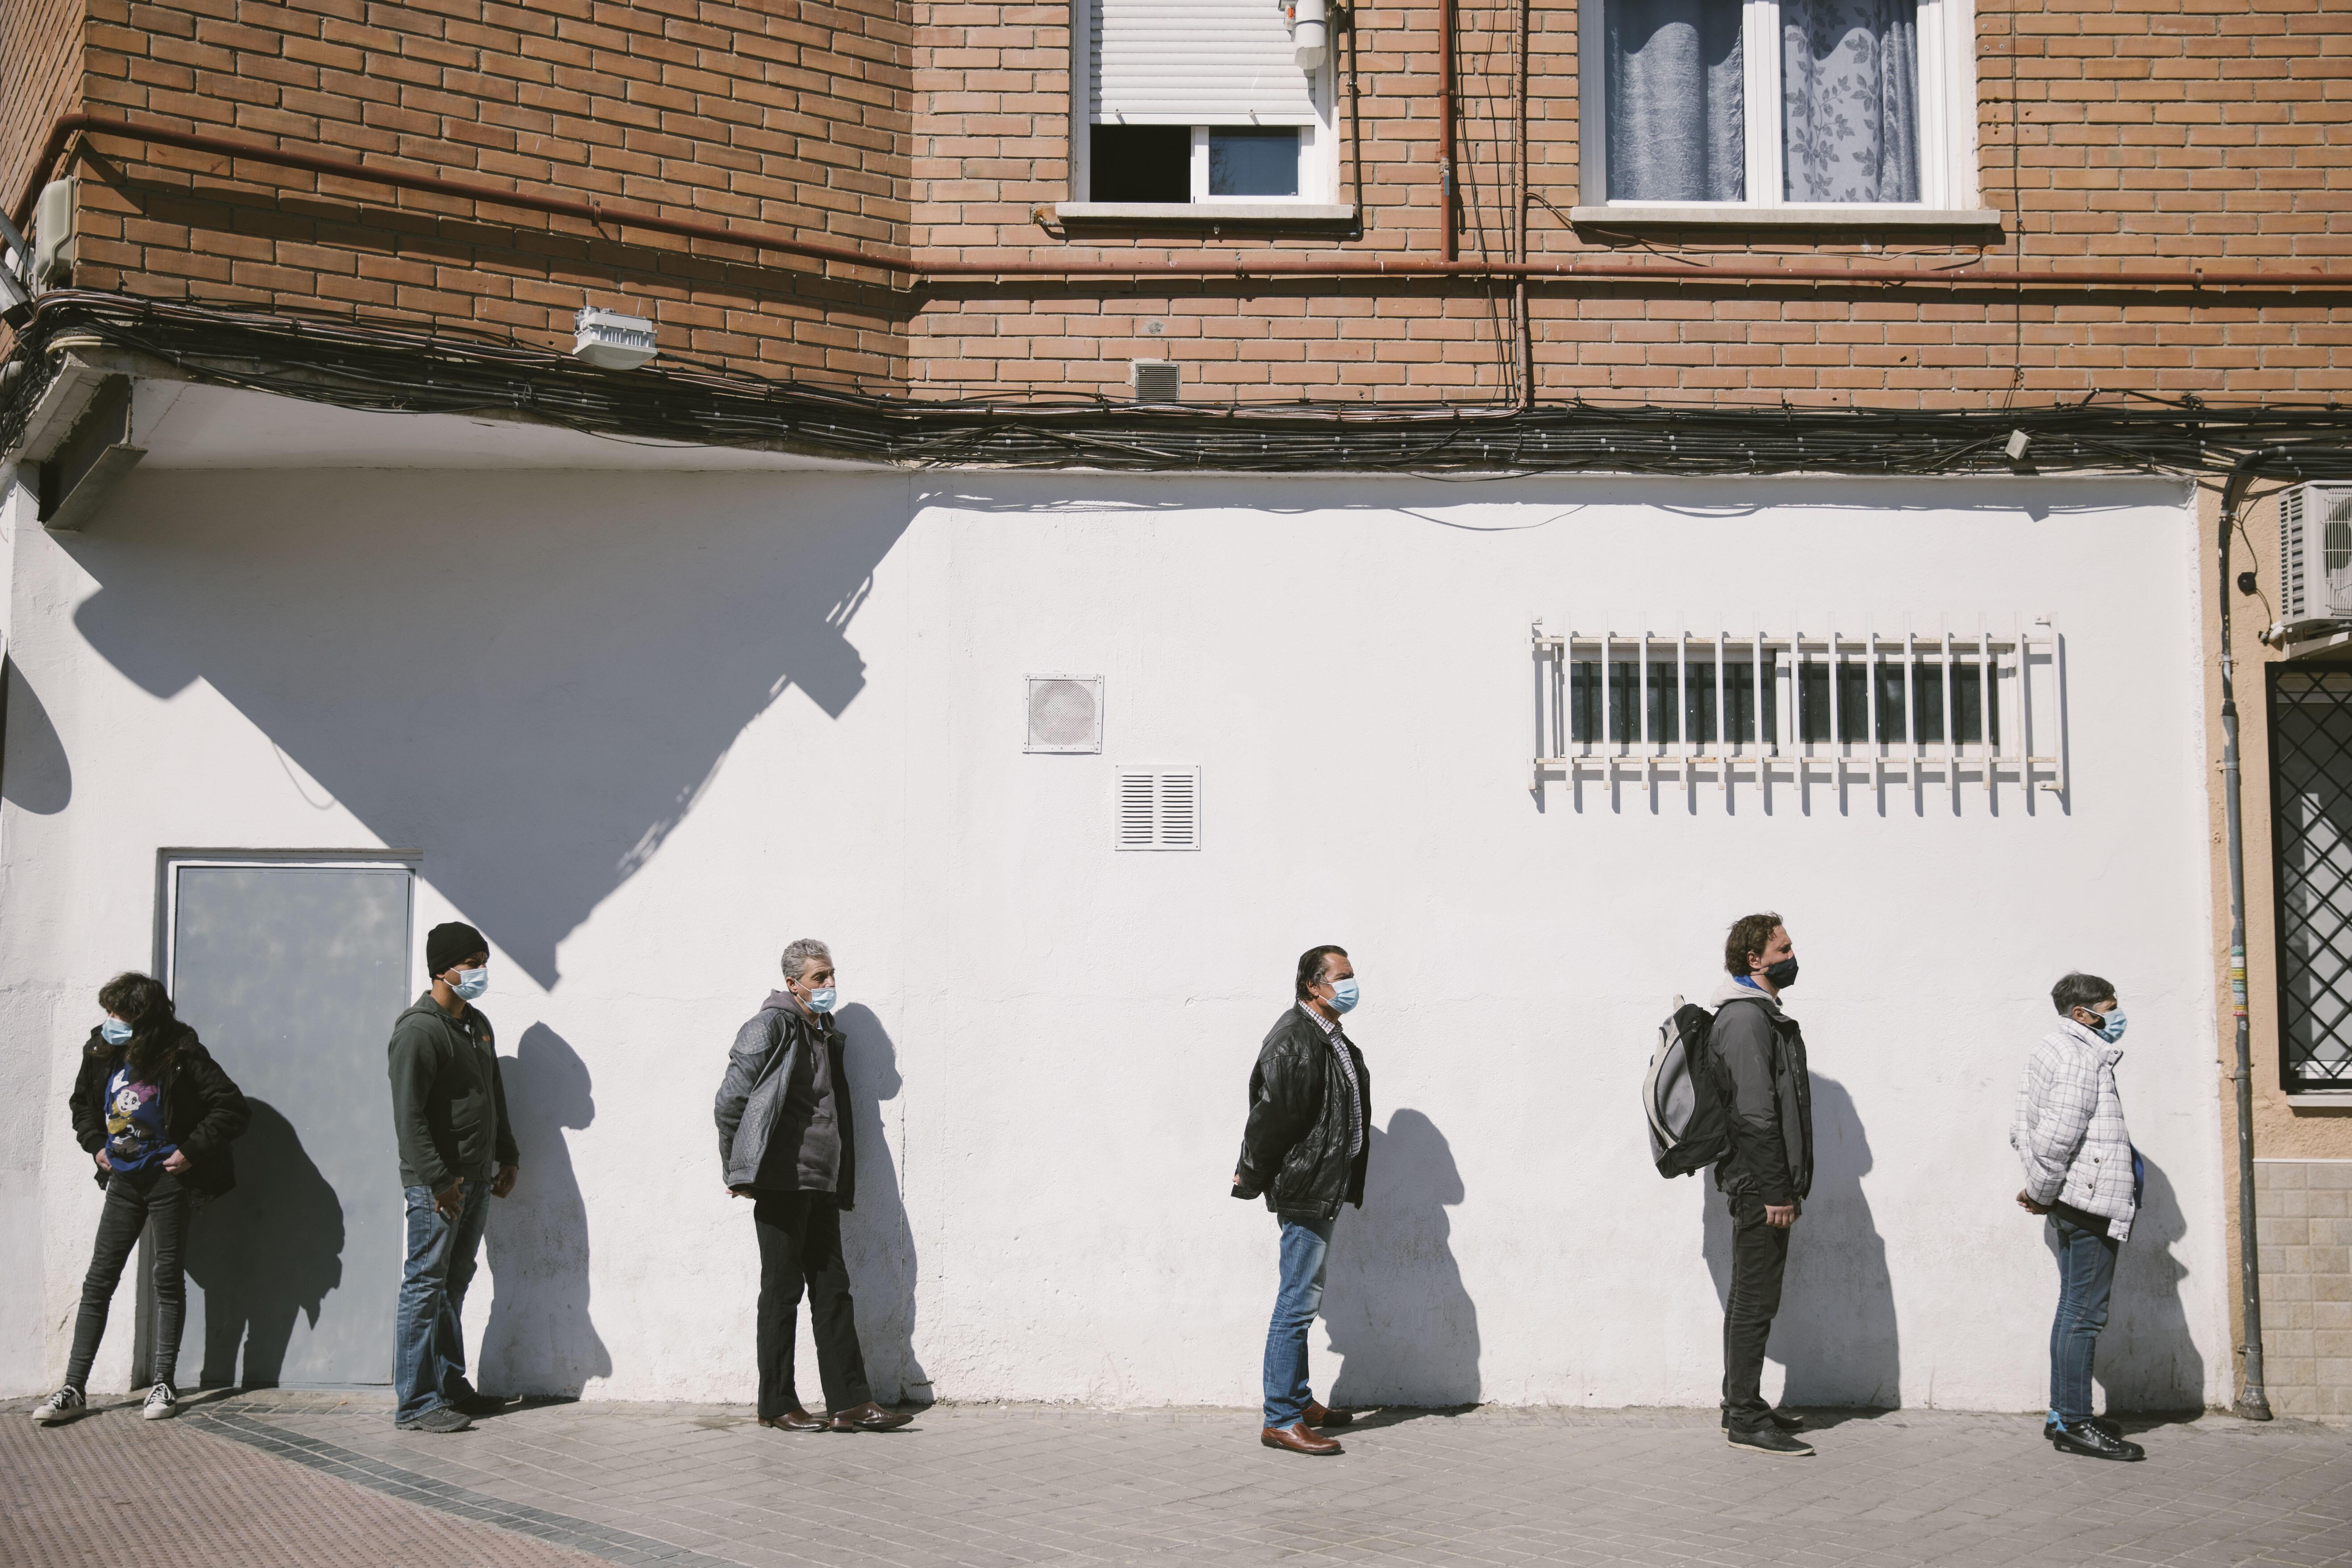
x=785, y=1143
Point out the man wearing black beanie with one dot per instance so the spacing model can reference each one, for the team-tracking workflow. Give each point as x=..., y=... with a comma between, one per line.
x=457, y=1151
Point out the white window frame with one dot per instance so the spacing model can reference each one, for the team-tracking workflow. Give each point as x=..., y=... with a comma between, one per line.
x=2020, y=675
x=1318, y=151
x=1949, y=191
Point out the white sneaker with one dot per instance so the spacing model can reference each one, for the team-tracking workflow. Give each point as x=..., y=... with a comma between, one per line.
x=163, y=1402
x=63, y=1405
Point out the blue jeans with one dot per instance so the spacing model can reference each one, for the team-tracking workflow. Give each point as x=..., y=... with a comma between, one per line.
x=2087, y=1274
x=428, y=1354
x=1306, y=1246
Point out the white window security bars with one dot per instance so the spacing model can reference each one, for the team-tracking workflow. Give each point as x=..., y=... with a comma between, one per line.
x=1943, y=710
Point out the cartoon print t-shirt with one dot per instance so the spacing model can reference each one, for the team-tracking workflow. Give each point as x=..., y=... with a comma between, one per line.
x=135, y=1123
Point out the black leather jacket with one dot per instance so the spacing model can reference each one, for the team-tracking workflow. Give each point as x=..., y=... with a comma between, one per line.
x=1294, y=1146
x=203, y=1111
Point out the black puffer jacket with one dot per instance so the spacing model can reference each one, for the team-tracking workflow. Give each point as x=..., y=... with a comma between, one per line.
x=1294, y=1147
x=203, y=1112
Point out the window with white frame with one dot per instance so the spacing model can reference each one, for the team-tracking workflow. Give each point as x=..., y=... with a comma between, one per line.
x=1856, y=106
x=1182, y=103
x=1949, y=709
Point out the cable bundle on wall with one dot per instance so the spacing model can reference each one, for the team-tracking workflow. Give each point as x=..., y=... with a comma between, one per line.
x=360, y=364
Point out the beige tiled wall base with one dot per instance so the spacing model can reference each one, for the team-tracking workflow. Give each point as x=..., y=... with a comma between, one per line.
x=2305, y=1229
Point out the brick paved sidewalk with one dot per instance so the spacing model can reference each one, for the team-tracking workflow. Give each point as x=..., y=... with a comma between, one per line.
x=323, y=1478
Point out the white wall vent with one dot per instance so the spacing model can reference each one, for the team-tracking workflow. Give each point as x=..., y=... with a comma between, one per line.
x=1064, y=714
x=1156, y=380
x=2315, y=559
x=1158, y=809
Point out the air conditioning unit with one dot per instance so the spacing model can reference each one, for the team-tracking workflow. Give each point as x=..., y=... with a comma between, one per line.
x=2315, y=562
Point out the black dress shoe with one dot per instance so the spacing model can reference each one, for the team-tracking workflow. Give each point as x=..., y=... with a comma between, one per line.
x=1765, y=1438
x=1785, y=1420
x=796, y=1420
x=2049, y=1427
x=2093, y=1441
x=1320, y=1416
x=869, y=1417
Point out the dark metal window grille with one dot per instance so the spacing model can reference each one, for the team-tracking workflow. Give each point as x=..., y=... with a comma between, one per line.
x=2311, y=850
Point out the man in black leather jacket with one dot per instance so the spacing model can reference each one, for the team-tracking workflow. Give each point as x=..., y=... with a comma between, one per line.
x=1304, y=1148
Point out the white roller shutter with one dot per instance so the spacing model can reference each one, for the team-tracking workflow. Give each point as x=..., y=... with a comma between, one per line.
x=1195, y=62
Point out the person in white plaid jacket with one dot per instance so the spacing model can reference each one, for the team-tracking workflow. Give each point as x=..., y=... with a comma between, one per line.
x=2081, y=1172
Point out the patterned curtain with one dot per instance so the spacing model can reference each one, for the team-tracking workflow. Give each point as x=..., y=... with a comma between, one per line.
x=1676, y=112
x=1849, y=101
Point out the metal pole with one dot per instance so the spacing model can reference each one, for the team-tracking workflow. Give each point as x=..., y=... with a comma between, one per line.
x=2251, y=1402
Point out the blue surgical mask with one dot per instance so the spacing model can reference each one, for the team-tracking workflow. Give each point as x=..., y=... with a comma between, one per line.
x=2111, y=1026
x=114, y=1031
x=471, y=984
x=1343, y=995
x=822, y=999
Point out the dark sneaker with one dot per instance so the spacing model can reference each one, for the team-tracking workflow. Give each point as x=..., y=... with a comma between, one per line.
x=2093, y=1442
x=63, y=1405
x=163, y=1403
x=1785, y=1420
x=1769, y=1438
x=2050, y=1427
x=440, y=1419
x=480, y=1404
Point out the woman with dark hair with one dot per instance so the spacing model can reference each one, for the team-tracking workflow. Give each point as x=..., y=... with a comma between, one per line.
x=156, y=1114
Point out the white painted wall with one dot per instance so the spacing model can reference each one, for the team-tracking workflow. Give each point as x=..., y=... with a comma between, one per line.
x=644, y=729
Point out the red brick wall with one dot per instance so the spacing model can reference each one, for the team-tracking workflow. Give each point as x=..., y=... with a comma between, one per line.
x=795, y=115
x=40, y=65
x=2188, y=131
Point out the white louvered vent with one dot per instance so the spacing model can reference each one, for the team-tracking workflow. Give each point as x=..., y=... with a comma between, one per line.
x=1196, y=62
x=2315, y=554
x=1156, y=380
x=1158, y=809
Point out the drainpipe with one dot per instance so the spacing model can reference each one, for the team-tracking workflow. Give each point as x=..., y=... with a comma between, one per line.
x=2252, y=1403
x=1445, y=125
x=1526, y=345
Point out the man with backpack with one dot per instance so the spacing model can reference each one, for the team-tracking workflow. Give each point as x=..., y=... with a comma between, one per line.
x=1759, y=1070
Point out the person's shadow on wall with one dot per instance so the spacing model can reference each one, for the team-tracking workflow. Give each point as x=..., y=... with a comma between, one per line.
x=269, y=1249
x=876, y=1241
x=1393, y=1304
x=1835, y=1334
x=541, y=1338
x=2147, y=1362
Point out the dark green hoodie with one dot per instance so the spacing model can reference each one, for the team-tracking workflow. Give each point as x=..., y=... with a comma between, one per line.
x=448, y=1106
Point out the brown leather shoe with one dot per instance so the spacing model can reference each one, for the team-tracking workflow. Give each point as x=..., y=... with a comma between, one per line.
x=797, y=1420
x=1298, y=1440
x=1321, y=1415
x=869, y=1417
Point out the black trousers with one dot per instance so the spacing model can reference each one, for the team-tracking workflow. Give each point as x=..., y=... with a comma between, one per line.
x=1758, y=1256
x=800, y=1246
x=132, y=1199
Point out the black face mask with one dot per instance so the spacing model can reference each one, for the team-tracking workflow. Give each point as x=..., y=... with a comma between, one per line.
x=1782, y=974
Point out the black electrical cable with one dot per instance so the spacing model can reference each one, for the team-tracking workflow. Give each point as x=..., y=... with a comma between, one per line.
x=366, y=364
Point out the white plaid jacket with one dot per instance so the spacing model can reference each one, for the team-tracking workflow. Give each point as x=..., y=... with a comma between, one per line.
x=2069, y=1127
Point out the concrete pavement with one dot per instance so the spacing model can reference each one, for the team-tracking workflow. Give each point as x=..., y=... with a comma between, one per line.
x=310, y=1478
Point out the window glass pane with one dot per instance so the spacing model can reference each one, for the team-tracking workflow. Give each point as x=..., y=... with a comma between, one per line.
x=1245, y=163
x=1699, y=701
x=1853, y=699
x=1813, y=700
x=1740, y=699
x=1969, y=706
x=1675, y=113
x=1928, y=696
x=1891, y=725
x=1584, y=700
x=1140, y=164
x=1849, y=101
x=1624, y=699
